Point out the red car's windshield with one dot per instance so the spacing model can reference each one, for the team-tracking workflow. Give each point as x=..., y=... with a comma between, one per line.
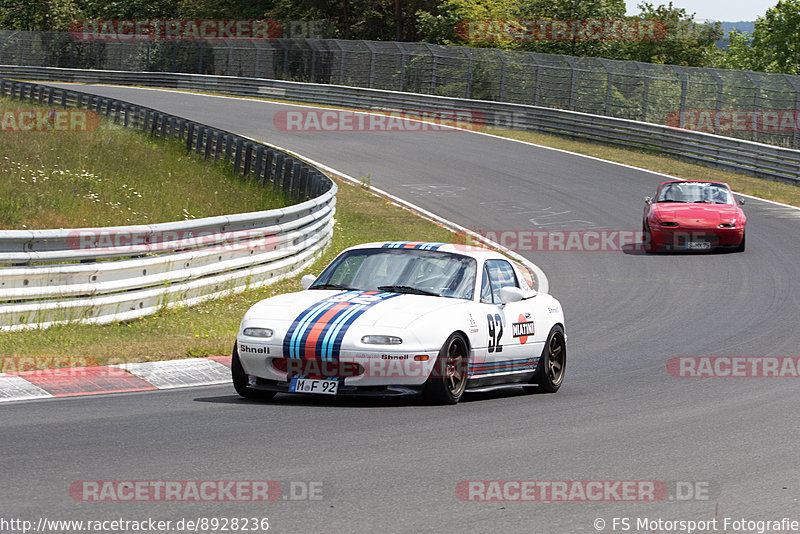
x=706, y=192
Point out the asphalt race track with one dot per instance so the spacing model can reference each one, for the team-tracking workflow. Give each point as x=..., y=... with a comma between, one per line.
x=394, y=465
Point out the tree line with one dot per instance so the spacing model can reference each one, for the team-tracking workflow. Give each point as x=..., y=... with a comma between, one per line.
x=597, y=28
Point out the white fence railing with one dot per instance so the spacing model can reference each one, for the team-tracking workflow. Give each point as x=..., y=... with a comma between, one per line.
x=109, y=274
x=756, y=159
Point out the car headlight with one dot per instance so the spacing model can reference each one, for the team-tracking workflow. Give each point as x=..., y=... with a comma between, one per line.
x=257, y=332
x=727, y=225
x=669, y=223
x=381, y=340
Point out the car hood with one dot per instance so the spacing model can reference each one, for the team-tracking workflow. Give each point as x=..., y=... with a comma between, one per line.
x=376, y=309
x=712, y=213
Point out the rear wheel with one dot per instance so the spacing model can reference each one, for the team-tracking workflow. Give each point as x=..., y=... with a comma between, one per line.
x=240, y=380
x=552, y=364
x=448, y=379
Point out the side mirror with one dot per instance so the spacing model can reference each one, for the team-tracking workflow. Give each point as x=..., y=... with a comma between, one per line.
x=511, y=294
x=307, y=280
x=741, y=202
x=647, y=200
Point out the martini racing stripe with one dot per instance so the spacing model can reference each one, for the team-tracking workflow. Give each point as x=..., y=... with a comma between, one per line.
x=413, y=244
x=507, y=366
x=317, y=333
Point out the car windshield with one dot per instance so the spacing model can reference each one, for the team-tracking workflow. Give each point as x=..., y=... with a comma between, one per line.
x=415, y=271
x=704, y=192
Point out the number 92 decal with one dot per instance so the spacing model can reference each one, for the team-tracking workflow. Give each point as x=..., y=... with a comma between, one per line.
x=495, y=332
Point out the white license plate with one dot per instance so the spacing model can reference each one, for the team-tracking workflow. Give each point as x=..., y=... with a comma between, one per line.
x=698, y=245
x=314, y=385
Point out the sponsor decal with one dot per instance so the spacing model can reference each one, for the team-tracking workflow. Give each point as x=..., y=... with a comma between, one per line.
x=318, y=331
x=413, y=244
x=253, y=350
x=522, y=329
x=507, y=366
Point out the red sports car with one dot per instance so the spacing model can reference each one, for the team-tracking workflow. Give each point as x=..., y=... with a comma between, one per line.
x=693, y=215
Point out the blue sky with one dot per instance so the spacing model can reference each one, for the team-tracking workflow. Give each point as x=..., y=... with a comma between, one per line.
x=721, y=10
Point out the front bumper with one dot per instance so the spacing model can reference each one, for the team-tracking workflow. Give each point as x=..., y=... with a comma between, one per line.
x=282, y=386
x=354, y=368
x=680, y=238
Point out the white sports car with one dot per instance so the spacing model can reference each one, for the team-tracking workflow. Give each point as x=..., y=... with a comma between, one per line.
x=402, y=318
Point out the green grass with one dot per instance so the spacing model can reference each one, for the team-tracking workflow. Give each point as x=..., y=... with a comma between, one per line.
x=112, y=176
x=209, y=329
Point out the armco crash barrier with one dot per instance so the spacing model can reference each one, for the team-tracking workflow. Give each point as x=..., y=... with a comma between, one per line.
x=55, y=276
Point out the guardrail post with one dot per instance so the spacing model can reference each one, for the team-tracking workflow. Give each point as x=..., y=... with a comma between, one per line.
x=198, y=144
x=303, y=186
x=237, y=157
x=248, y=158
x=210, y=134
x=50, y=96
x=218, y=145
x=63, y=98
x=268, y=169
x=259, y=169
x=277, y=181
x=189, y=136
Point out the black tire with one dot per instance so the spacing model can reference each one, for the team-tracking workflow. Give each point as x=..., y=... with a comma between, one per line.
x=448, y=380
x=648, y=239
x=552, y=364
x=240, y=380
x=741, y=246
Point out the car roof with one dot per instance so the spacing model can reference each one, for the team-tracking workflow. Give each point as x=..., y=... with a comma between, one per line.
x=465, y=250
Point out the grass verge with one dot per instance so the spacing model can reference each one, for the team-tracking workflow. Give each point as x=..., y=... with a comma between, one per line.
x=112, y=176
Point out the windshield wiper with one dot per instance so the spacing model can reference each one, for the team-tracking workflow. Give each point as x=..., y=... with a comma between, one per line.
x=409, y=290
x=330, y=286
x=682, y=201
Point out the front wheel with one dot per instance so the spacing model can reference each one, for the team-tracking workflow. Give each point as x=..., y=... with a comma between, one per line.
x=240, y=380
x=740, y=248
x=448, y=379
x=552, y=364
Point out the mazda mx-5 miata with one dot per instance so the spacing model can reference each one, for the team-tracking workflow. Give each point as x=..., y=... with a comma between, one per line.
x=399, y=318
x=693, y=215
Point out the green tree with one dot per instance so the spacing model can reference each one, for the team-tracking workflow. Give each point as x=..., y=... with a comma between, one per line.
x=776, y=39
x=684, y=41
x=42, y=15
